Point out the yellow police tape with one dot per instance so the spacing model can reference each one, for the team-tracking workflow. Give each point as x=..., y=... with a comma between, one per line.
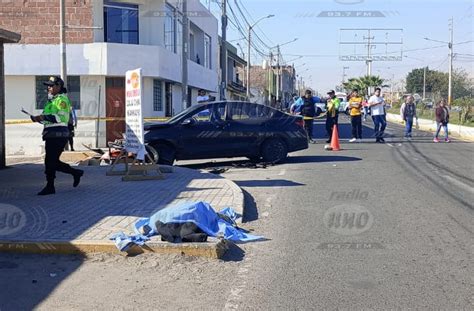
x=26, y=121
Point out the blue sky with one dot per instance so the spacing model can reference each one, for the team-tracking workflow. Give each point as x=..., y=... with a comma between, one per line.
x=318, y=37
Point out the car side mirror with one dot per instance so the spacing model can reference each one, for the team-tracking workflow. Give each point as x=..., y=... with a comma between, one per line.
x=188, y=122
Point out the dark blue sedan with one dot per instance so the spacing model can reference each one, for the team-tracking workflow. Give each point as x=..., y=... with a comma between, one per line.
x=226, y=129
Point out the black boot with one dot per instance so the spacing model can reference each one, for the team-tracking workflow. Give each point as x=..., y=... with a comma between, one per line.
x=77, y=177
x=49, y=189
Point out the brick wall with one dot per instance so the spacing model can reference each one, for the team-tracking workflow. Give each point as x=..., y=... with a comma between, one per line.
x=38, y=20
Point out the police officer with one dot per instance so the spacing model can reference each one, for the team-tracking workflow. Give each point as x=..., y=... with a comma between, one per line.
x=308, y=112
x=332, y=112
x=55, y=118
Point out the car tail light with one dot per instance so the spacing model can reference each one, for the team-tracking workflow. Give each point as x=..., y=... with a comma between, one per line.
x=300, y=122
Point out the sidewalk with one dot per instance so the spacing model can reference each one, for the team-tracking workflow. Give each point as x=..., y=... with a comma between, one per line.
x=463, y=132
x=81, y=220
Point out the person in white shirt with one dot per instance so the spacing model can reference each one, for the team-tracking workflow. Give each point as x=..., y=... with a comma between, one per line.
x=202, y=96
x=377, y=108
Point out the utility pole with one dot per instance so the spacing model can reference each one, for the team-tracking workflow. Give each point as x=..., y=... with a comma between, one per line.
x=248, y=50
x=223, y=51
x=270, y=77
x=450, y=70
x=62, y=40
x=248, y=62
x=424, y=83
x=184, y=57
x=369, y=59
x=277, y=93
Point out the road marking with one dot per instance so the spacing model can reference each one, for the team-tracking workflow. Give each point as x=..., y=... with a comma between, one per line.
x=282, y=172
x=235, y=296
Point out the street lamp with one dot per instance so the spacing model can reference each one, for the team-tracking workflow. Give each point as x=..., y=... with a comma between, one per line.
x=248, y=51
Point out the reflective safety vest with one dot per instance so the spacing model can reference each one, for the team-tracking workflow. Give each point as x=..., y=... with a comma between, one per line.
x=333, y=107
x=57, y=109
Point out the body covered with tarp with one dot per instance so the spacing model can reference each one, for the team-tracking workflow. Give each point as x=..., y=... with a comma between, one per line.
x=185, y=222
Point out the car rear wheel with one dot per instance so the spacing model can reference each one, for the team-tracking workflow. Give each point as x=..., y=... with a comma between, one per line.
x=274, y=150
x=163, y=154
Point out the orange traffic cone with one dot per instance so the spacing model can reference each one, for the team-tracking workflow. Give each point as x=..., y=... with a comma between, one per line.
x=335, y=139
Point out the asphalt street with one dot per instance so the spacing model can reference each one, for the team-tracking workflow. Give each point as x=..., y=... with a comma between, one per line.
x=373, y=226
x=410, y=245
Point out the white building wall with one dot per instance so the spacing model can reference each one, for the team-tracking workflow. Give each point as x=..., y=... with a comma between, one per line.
x=95, y=61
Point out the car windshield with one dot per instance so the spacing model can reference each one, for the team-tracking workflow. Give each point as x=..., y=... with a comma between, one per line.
x=183, y=113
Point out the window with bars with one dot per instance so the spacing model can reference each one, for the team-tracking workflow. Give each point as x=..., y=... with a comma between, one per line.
x=207, y=51
x=73, y=91
x=170, y=28
x=157, y=95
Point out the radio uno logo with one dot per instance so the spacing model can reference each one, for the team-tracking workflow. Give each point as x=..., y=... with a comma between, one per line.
x=348, y=219
x=12, y=219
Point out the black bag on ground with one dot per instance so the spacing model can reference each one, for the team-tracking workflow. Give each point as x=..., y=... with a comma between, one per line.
x=177, y=233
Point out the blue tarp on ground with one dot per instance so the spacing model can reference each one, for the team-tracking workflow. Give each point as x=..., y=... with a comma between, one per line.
x=200, y=213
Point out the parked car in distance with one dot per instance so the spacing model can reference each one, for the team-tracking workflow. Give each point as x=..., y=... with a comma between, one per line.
x=226, y=129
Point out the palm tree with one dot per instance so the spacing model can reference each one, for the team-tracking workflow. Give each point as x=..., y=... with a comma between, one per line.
x=362, y=84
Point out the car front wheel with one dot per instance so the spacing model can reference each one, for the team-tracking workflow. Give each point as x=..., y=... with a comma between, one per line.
x=163, y=154
x=274, y=150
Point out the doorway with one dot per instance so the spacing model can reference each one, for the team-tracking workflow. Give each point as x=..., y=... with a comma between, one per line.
x=115, y=108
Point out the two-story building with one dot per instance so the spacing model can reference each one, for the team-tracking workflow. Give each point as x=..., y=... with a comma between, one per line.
x=235, y=69
x=104, y=40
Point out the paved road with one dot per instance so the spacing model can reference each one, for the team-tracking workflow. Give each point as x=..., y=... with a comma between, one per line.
x=375, y=226
x=411, y=243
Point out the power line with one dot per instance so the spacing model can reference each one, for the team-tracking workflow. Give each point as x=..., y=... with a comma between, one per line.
x=258, y=27
x=237, y=25
x=332, y=55
x=236, y=22
x=248, y=23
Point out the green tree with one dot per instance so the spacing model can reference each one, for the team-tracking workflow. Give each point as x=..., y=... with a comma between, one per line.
x=437, y=83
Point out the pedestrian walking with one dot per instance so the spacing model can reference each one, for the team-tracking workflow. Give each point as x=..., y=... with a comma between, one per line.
x=442, y=120
x=377, y=109
x=408, y=114
x=308, y=111
x=332, y=112
x=55, y=119
x=365, y=104
x=355, y=106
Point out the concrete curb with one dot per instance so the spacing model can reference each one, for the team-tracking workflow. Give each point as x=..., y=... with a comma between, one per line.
x=214, y=248
x=457, y=131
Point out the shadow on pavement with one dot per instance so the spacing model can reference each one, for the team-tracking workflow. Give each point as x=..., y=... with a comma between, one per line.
x=250, y=210
x=328, y=158
x=27, y=279
x=267, y=183
x=234, y=253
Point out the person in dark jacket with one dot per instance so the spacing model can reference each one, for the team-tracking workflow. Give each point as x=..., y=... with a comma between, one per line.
x=55, y=119
x=408, y=114
x=308, y=111
x=442, y=120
